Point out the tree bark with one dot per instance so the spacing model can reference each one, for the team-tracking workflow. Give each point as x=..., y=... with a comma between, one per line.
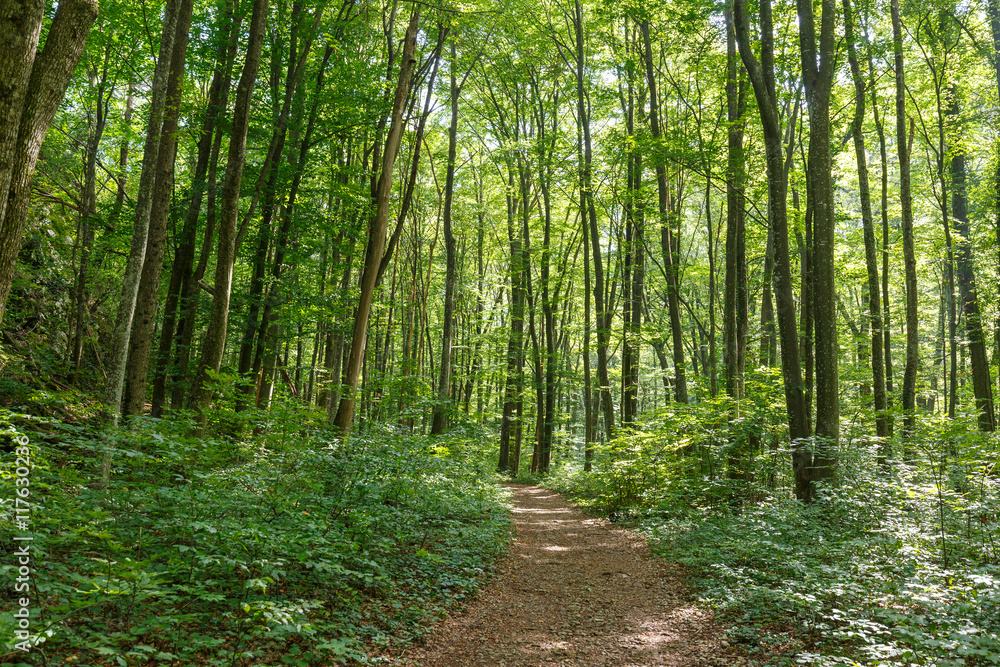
x=906, y=201
x=215, y=337
x=868, y=224
x=761, y=74
x=118, y=356
x=818, y=69
x=603, y=313
x=178, y=293
x=147, y=297
x=442, y=406
x=102, y=98
x=668, y=242
x=981, y=384
x=31, y=89
x=377, y=232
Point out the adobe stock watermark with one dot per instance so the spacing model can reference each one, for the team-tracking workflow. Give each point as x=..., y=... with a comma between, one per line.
x=22, y=544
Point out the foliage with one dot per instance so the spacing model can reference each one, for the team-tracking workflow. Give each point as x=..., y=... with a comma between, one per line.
x=292, y=549
x=897, y=564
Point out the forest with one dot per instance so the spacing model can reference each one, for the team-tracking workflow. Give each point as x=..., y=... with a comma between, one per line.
x=291, y=291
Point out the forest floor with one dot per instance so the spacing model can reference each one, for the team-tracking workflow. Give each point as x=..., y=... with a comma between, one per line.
x=577, y=591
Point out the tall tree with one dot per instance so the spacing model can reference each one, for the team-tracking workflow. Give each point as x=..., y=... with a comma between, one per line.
x=147, y=297
x=589, y=217
x=440, y=417
x=118, y=356
x=868, y=225
x=818, y=69
x=982, y=386
x=668, y=239
x=377, y=231
x=183, y=288
x=735, y=308
x=906, y=201
x=215, y=338
x=31, y=89
x=761, y=74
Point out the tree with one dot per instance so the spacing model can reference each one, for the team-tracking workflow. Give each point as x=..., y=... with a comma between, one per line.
x=735, y=324
x=668, y=238
x=818, y=68
x=215, y=337
x=868, y=223
x=761, y=74
x=144, y=206
x=906, y=200
x=31, y=88
x=147, y=297
x=377, y=231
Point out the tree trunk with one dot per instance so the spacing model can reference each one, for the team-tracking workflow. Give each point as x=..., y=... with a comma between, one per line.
x=509, y=426
x=994, y=12
x=588, y=392
x=818, y=69
x=909, y=256
x=144, y=205
x=761, y=74
x=981, y=385
x=868, y=223
x=31, y=89
x=147, y=297
x=89, y=205
x=442, y=406
x=603, y=312
x=215, y=337
x=668, y=242
x=274, y=299
x=735, y=298
x=377, y=232
x=180, y=275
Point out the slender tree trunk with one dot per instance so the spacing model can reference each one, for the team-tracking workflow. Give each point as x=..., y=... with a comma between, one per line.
x=477, y=360
x=144, y=204
x=735, y=324
x=712, y=361
x=668, y=242
x=184, y=256
x=909, y=256
x=377, y=231
x=818, y=69
x=275, y=298
x=255, y=328
x=982, y=386
x=603, y=312
x=89, y=205
x=768, y=342
x=442, y=406
x=994, y=12
x=509, y=427
x=884, y=209
x=761, y=73
x=147, y=297
x=588, y=392
x=868, y=223
x=215, y=337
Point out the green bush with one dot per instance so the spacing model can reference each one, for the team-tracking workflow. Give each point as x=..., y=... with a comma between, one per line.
x=295, y=549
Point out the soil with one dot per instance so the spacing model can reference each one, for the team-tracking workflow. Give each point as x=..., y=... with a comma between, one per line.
x=577, y=591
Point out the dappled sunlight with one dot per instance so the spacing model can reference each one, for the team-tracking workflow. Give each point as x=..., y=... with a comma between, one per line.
x=578, y=591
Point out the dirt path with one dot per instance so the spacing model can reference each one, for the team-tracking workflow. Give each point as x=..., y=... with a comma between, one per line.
x=577, y=591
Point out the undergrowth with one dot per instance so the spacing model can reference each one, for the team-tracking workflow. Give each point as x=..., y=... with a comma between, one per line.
x=897, y=564
x=290, y=549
